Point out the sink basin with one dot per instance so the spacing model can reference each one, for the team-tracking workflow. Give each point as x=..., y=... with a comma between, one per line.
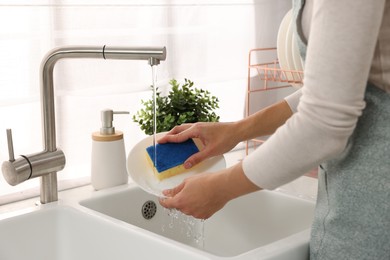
x=264, y=224
x=57, y=232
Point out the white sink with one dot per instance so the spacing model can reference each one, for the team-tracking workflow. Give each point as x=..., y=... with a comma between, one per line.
x=262, y=225
x=56, y=232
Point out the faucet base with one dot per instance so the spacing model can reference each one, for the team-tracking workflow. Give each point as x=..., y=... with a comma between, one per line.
x=49, y=189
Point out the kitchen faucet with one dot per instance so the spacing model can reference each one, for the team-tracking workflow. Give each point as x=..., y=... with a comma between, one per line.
x=47, y=163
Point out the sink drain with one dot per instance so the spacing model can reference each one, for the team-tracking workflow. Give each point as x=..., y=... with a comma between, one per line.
x=149, y=209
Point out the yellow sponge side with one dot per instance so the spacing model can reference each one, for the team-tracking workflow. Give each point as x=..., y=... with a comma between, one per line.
x=174, y=170
x=167, y=173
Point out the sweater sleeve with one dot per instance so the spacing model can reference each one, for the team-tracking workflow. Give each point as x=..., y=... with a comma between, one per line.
x=293, y=100
x=342, y=40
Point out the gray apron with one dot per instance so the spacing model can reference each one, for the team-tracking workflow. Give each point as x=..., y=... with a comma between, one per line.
x=352, y=217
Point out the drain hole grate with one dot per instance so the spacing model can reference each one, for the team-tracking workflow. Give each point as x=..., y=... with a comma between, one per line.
x=149, y=209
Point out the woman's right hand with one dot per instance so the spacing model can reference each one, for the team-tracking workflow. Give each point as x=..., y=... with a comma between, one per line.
x=217, y=138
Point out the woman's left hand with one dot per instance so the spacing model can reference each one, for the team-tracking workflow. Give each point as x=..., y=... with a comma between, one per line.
x=204, y=194
x=198, y=196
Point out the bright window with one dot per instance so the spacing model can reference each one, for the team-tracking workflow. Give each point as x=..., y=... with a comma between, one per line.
x=207, y=42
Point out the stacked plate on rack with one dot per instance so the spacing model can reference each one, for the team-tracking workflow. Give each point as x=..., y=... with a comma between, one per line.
x=287, y=49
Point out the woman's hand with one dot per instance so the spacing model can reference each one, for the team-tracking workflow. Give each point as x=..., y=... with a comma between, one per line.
x=197, y=196
x=204, y=194
x=217, y=138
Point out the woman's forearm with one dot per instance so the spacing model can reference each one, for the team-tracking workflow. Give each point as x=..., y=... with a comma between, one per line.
x=264, y=122
x=234, y=182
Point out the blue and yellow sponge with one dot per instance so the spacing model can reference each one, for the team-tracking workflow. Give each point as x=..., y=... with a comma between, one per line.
x=171, y=157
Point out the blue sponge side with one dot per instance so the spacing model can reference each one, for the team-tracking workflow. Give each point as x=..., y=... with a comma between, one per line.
x=170, y=155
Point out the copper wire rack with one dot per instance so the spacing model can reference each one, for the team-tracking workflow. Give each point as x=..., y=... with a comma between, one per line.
x=268, y=72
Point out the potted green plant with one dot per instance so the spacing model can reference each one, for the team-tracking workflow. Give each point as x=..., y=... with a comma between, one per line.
x=183, y=104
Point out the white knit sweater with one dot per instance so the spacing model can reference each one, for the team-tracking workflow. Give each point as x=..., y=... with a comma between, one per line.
x=348, y=45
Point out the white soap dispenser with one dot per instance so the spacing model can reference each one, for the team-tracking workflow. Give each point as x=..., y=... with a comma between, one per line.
x=108, y=162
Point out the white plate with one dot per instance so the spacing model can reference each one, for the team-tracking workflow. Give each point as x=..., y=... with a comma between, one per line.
x=296, y=60
x=288, y=53
x=141, y=171
x=281, y=40
x=296, y=55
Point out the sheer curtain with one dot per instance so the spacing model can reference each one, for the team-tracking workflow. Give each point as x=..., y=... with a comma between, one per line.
x=207, y=42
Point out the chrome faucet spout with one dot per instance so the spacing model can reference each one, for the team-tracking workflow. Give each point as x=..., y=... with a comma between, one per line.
x=47, y=163
x=151, y=54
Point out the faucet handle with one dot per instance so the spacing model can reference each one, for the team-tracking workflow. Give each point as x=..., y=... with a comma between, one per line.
x=30, y=166
x=10, y=145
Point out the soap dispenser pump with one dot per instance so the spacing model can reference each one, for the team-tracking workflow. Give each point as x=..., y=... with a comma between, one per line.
x=108, y=162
